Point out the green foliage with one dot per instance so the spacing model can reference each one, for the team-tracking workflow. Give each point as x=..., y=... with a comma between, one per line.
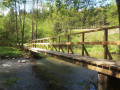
x=9, y=82
x=9, y=51
x=55, y=17
x=112, y=15
x=42, y=55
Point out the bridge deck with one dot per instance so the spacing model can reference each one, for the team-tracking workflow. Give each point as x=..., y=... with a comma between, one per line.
x=104, y=66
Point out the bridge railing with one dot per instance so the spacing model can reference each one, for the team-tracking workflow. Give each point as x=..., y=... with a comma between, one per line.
x=45, y=43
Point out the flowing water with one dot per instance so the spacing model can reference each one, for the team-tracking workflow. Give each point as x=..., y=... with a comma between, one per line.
x=45, y=74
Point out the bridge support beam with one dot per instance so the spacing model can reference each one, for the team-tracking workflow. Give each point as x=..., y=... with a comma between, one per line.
x=106, y=82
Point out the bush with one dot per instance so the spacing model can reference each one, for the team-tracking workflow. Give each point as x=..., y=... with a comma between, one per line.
x=10, y=52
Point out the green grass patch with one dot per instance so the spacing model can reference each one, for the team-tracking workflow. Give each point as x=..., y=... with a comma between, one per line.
x=38, y=55
x=9, y=52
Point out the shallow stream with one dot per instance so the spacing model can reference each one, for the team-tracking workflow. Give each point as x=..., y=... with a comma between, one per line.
x=45, y=74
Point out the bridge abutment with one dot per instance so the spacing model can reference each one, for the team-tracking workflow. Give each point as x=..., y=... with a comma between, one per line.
x=106, y=82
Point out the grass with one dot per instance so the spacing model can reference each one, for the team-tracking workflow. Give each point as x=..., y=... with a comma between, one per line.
x=9, y=52
x=113, y=35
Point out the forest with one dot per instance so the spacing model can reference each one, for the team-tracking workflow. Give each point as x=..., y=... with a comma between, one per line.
x=26, y=20
x=45, y=43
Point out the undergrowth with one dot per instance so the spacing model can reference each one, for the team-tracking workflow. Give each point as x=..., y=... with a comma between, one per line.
x=9, y=52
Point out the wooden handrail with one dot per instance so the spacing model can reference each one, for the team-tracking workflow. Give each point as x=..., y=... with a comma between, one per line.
x=84, y=43
x=68, y=44
x=94, y=30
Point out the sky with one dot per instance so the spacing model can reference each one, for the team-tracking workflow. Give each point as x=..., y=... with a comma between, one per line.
x=29, y=6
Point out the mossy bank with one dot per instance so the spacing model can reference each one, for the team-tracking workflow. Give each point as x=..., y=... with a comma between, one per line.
x=10, y=52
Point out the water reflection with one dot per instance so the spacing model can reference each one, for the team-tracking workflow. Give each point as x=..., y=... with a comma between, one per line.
x=45, y=74
x=63, y=75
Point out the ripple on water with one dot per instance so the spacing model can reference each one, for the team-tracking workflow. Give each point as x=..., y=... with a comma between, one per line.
x=64, y=75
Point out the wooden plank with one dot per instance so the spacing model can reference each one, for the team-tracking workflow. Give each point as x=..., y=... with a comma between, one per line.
x=86, y=43
x=89, y=62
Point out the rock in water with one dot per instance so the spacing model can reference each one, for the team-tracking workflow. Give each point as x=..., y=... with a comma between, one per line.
x=19, y=61
x=7, y=56
x=27, y=57
x=22, y=61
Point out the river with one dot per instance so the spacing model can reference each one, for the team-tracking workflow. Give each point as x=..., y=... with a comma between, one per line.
x=45, y=74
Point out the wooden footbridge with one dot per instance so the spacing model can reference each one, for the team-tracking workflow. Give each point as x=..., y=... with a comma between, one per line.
x=108, y=70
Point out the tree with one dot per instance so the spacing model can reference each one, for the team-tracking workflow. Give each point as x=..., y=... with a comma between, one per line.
x=37, y=19
x=33, y=2
x=118, y=5
x=24, y=2
x=17, y=23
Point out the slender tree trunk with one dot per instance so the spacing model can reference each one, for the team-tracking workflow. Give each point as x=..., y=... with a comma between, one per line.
x=36, y=30
x=37, y=20
x=33, y=20
x=17, y=24
x=23, y=27
x=118, y=5
x=66, y=28
x=20, y=21
x=32, y=30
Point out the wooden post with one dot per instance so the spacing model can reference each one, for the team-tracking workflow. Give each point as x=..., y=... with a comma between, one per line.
x=40, y=44
x=86, y=51
x=32, y=44
x=36, y=44
x=106, y=82
x=62, y=49
x=68, y=47
x=102, y=81
x=71, y=50
x=48, y=45
x=52, y=42
x=83, y=36
x=105, y=46
x=59, y=43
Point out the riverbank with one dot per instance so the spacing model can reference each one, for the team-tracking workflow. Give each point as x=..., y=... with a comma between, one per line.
x=10, y=53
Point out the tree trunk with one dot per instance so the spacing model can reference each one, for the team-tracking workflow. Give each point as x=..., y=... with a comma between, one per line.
x=32, y=30
x=17, y=25
x=37, y=19
x=20, y=21
x=118, y=5
x=23, y=27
